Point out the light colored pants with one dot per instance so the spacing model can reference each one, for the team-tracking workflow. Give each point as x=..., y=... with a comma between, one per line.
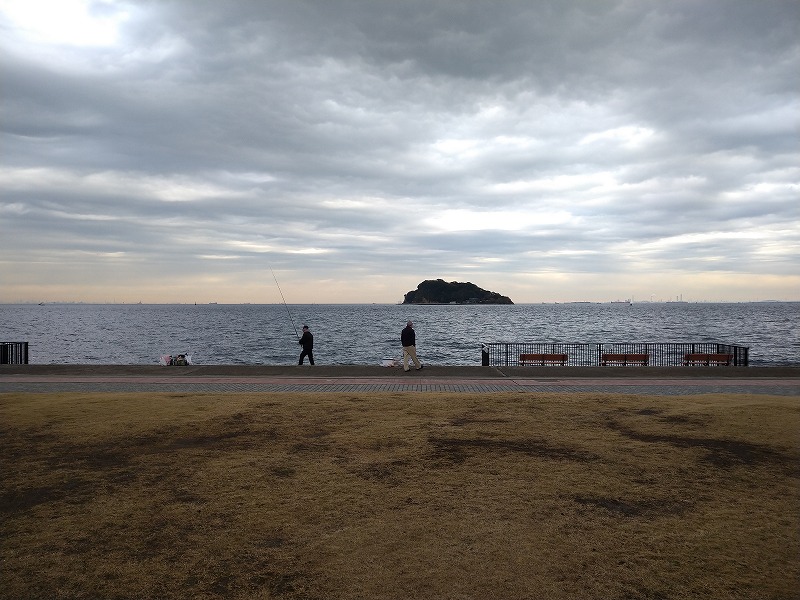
x=410, y=351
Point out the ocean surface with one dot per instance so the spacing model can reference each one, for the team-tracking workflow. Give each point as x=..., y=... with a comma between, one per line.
x=369, y=333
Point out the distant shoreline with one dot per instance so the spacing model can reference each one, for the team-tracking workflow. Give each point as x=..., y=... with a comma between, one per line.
x=565, y=302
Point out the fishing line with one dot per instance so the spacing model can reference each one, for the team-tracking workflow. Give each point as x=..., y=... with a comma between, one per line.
x=284, y=302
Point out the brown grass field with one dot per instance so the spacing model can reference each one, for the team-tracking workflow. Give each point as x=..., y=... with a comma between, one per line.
x=399, y=496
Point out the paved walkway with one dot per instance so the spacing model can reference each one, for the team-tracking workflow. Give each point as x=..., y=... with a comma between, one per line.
x=254, y=378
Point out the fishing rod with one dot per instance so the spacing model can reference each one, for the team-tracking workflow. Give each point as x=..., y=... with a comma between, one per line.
x=284, y=302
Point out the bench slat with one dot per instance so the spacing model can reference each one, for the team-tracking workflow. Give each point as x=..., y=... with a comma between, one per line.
x=543, y=359
x=706, y=360
x=625, y=359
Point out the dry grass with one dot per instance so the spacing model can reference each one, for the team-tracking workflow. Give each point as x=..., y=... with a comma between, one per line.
x=402, y=496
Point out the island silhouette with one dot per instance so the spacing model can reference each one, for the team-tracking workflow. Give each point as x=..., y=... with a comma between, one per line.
x=439, y=291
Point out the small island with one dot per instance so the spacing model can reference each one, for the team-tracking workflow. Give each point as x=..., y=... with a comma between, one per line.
x=439, y=291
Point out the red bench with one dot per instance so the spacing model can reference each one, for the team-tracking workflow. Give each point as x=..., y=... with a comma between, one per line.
x=543, y=359
x=707, y=360
x=624, y=360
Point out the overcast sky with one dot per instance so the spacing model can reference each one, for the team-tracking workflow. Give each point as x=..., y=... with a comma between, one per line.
x=178, y=151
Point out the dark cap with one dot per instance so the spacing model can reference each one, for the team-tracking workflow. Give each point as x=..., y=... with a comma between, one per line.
x=305, y=326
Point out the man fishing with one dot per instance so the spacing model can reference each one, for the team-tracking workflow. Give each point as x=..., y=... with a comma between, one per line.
x=307, y=342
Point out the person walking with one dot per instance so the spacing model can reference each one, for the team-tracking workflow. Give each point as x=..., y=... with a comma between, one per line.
x=408, y=338
x=307, y=342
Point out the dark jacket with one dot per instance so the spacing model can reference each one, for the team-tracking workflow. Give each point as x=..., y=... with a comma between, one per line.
x=408, y=337
x=307, y=341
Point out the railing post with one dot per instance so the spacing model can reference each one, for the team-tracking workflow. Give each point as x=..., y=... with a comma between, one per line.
x=741, y=356
x=484, y=356
x=13, y=353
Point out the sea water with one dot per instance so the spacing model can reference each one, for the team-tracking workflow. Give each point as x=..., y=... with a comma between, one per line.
x=369, y=333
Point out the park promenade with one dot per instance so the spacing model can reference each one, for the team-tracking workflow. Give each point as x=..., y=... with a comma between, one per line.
x=784, y=381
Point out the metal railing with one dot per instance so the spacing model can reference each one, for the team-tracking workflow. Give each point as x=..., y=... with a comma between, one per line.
x=660, y=354
x=13, y=353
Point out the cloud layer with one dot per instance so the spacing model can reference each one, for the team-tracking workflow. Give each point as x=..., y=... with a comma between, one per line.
x=178, y=151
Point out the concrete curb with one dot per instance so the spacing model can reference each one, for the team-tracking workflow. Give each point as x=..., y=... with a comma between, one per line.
x=338, y=371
